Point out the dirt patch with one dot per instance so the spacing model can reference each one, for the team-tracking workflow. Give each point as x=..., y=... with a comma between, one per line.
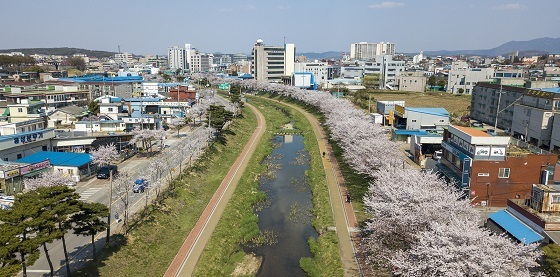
x=456, y=104
x=248, y=266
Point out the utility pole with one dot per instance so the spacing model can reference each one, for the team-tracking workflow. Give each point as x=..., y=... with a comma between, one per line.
x=498, y=110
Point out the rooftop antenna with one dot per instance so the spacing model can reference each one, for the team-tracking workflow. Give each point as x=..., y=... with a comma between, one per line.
x=119, y=48
x=284, y=40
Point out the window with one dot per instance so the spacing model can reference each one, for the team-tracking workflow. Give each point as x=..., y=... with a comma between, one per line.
x=20, y=110
x=414, y=120
x=110, y=110
x=18, y=156
x=555, y=198
x=503, y=173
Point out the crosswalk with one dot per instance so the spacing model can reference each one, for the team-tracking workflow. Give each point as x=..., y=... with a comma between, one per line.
x=88, y=192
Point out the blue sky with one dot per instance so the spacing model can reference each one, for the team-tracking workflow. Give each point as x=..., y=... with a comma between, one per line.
x=150, y=27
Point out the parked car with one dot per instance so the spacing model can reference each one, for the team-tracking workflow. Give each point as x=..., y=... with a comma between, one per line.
x=105, y=171
x=139, y=185
x=477, y=124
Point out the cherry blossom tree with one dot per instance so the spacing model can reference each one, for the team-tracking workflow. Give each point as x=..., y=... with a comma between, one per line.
x=104, y=154
x=147, y=137
x=177, y=123
x=47, y=179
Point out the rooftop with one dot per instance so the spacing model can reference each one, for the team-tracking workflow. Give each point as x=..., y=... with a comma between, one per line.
x=473, y=132
x=58, y=158
x=432, y=111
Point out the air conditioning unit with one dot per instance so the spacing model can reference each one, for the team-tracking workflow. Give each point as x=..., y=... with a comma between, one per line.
x=76, y=178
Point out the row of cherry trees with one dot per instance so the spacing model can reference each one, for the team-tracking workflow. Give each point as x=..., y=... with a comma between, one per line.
x=418, y=223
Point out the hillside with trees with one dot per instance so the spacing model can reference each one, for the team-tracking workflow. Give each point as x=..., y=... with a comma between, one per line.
x=61, y=51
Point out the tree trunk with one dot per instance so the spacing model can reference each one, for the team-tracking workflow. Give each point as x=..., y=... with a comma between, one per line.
x=65, y=252
x=93, y=245
x=23, y=267
x=48, y=258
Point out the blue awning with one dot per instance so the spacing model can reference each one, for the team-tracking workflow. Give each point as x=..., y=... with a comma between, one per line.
x=515, y=227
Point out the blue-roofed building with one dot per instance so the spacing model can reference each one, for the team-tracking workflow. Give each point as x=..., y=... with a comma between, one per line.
x=418, y=119
x=533, y=220
x=71, y=164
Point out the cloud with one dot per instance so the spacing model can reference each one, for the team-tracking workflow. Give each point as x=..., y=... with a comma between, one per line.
x=512, y=6
x=386, y=5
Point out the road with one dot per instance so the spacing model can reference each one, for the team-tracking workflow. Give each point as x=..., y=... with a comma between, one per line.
x=185, y=261
x=97, y=190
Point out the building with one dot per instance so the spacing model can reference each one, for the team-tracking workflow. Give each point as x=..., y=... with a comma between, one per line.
x=271, y=63
x=73, y=165
x=535, y=219
x=487, y=168
x=318, y=69
x=535, y=115
x=411, y=81
x=19, y=145
x=123, y=59
x=177, y=58
x=200, y=62
x=461, y=77
x=367, y=51
x=66, y=116
x=421, y=118
x=387, y=68
x=484, y=103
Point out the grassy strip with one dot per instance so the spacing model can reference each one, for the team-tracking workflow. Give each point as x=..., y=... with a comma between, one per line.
x=153, y=243
x=224, y=249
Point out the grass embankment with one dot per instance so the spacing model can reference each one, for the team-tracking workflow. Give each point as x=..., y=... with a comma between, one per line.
x=153, y=243
x=238, y=224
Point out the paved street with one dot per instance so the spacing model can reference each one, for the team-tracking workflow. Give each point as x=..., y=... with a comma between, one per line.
x=97, y=190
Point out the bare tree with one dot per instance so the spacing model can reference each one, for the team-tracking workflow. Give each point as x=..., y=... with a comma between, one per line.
x=122, y=186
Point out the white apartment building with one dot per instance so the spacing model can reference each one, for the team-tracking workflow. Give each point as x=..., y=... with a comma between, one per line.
x=200, y=62
x=123, y=58
x=177, y=57
x=387, y=68
x=270, y=63
x=463, y=77
x=368, y=51
x=319, y=70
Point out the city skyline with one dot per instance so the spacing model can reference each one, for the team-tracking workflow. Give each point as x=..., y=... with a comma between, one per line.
x=143, y=28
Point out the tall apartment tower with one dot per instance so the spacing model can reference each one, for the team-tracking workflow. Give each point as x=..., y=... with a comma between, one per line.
x=270, y=63
x=177, y=58
x=368, y=51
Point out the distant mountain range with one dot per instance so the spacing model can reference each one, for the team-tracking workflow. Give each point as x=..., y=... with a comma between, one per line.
x=61, y=51
x=534, y=47
x=537, y=46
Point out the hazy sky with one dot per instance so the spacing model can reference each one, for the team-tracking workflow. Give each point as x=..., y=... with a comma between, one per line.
x=150, y=27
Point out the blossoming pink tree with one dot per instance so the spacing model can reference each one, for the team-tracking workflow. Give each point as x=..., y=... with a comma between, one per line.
x=47, y=179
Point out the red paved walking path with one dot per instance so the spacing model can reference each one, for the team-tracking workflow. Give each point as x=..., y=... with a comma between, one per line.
x=189, y=253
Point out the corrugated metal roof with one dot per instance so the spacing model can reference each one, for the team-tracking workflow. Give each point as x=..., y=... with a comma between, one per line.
x=409, y=132
x=58, y=158
x=515, y=227
x=433, y=111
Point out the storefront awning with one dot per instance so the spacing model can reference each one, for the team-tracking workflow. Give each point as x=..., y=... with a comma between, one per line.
x=515, y=227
